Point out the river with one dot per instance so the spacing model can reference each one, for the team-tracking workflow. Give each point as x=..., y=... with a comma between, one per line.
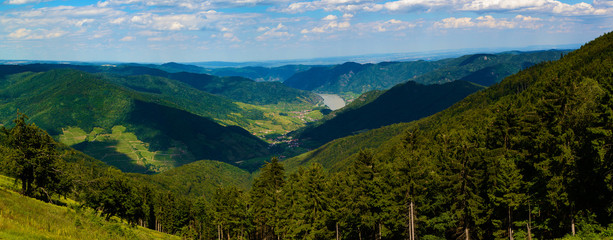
x=333, y=101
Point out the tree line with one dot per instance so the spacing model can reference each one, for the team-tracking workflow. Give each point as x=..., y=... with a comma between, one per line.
x=447, y=184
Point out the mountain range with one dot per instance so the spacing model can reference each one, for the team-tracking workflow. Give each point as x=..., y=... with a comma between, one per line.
x=355, y=78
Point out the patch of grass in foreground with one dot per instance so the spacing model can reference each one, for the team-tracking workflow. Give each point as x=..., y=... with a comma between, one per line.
x=27, y=218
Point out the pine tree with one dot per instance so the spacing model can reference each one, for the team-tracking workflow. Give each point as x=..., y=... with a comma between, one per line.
x=265, y=200
x=464, y=176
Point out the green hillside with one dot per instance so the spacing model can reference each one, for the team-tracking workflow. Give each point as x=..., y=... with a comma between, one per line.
x=236, y=88
x=246, y=90
x=134, y=131
x=530, y=155
x=269, y=119
x=482, y=69
x=403, y=103
x=262, y=120
x=200, y=178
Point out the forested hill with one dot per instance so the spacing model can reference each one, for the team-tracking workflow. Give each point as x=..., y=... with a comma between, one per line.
x=482, y=69
x=236, y=88
x=403, y=103
x=134, y=131
x=530, y=156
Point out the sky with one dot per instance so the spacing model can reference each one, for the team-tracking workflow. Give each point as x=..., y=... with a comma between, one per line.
x=258, y=30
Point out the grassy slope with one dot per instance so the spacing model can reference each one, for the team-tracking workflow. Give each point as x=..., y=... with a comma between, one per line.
x=27, y=218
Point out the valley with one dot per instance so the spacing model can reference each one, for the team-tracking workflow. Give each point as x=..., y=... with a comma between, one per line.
x=502, y=145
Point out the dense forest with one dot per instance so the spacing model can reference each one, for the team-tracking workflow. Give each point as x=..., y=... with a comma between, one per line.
x=529, y=157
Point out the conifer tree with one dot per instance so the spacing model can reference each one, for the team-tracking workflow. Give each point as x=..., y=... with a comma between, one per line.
x=265, y=200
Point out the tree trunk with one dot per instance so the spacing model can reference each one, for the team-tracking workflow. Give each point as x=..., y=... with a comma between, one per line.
x=24, y=187
x=572, y=225
x=359, y=233
x=510, y=226
x=337, y=235
x=412, y=230
x=466, y=234
x=529, y=222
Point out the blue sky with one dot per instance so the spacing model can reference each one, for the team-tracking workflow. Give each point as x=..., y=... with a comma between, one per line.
x=252, y=30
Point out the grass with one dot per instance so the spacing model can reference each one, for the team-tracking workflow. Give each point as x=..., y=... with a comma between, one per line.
x=128, y=152
x=27, y=218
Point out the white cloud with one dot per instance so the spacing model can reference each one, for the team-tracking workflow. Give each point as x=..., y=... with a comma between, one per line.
x=391, y=25
x=127, y=39
x=330, y=18
x=278, y=32
x=603, y=3
x=540, y=6
x=118, y=20
x=174, y=22
x=330, y=5
x=409, y=5
x=18, y=2
x=188, y=4
x=489, y=21
x=455, y=23
x=81, y=22
x=230, y=37
x=552, y=7
x=330, y=26
x=27, y=34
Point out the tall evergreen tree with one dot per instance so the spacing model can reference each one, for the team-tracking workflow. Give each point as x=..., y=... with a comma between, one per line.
x=265, y=200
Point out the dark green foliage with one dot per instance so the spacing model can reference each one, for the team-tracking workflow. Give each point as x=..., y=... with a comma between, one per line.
x=305, y=205
x=403, y=103
x=317, y=77
x=200, y=178
x=266, y=200
x=30, y=155
x=230, y=209
x=114, y=195
x=530, y=155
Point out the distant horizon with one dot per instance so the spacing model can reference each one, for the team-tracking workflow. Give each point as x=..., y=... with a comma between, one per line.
x=362, y=59
x=150, y=31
